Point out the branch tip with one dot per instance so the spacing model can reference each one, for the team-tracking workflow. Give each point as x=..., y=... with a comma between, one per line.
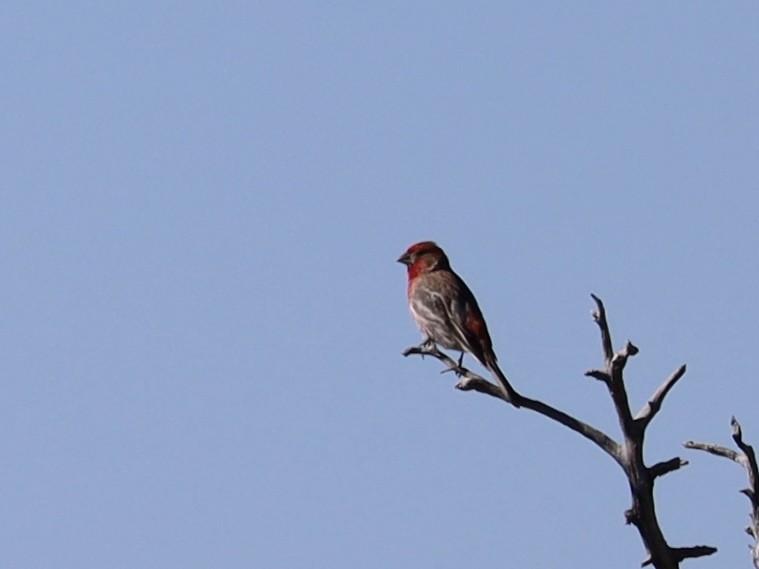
x=683, y=553
x=667, y=466
x=631, y=349
x=599, y=317
x=654, y=404
x=598, y=374
x=737, y=431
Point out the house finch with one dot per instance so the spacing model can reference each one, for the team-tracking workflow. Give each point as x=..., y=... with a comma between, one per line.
x=446, y=311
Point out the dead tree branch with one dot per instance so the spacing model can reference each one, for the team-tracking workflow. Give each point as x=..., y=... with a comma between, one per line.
x=747, y=459
x=667, y=466
x=654, y=404
x=628, y=454
x=470, y=381
x=641, y=478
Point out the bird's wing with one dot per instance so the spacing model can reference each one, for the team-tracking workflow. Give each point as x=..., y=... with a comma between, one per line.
x=464, y=314
x=464, y=318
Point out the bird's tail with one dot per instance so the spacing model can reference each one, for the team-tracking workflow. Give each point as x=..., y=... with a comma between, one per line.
x=508, y=391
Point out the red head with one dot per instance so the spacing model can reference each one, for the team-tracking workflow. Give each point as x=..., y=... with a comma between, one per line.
x=424, y=257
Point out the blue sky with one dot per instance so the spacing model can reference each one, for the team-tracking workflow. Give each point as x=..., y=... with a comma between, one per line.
x=203, y=317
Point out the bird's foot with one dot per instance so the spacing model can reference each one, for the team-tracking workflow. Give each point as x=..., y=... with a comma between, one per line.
x=457, y=369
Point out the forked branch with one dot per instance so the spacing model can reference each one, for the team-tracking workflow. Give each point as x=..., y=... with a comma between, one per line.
x=628, y=454
x=747, y=459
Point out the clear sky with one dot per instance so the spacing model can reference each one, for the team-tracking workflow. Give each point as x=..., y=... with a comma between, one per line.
x=202, y=317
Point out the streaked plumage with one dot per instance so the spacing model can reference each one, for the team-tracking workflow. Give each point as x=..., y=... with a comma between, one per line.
x=445, y=309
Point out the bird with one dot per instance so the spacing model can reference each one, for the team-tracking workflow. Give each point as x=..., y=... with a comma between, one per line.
x=446, y=311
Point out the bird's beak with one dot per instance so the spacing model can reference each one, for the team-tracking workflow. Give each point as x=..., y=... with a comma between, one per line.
x=405, y=259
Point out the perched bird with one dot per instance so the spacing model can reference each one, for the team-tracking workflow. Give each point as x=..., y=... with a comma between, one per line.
x=446, y=311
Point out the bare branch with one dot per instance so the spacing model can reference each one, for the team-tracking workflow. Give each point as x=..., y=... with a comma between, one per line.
x=481, y=385
x=629, y=350
x=605, y=442
x=424, y=350
x=642, y=513
x=716, y=450
x=682, y=553
x=452, y=365
x=599, y=316
x=617, y=390
x=472, y=382
x=628, y=453
x=598, y=374
x=748, y=451
x=654, y=404
x=667, y=466
x=747, y=459
x=619, y=360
